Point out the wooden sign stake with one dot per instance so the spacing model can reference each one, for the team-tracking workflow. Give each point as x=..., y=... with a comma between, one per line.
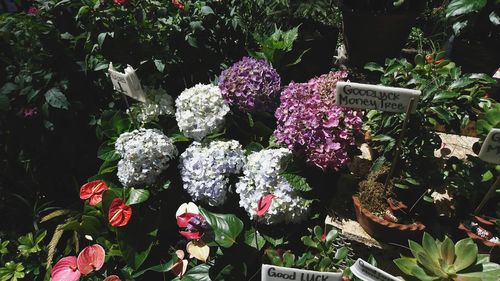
x=488, y=195
x=397, y=153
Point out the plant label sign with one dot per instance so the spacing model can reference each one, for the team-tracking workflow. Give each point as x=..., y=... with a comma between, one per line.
x=366, y=96
x=278, y=273
x=367, y=272
x=490, y=150
x=127, y=83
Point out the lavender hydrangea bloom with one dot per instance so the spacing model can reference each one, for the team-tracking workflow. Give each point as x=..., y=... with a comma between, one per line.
x=251, y=85
x=310, y=124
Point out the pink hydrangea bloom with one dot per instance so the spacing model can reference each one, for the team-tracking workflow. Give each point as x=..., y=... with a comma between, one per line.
x=311, y=125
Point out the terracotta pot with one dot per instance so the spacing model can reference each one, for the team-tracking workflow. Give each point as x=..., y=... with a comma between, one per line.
x=383, y=230
x=485, y=221
x=373, y=38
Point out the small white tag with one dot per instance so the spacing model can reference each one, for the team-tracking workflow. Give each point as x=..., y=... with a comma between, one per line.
x=366, y=96
x=490, y=150
x=127, y=83
x=278, y=273
x=367, y=272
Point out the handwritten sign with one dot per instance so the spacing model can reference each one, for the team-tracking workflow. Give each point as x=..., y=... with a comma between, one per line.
x=127, y=83
x=277, y=273
x=367, y=272
x=365, y=96
x=490, y=151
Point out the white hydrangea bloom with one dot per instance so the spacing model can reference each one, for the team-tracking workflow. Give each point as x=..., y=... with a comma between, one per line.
x=205, y=170
x=145, y=154
x=262, y=177
x=158, y=103
x=200, y=111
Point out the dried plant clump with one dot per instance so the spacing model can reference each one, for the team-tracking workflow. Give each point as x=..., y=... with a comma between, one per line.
x=371, y=191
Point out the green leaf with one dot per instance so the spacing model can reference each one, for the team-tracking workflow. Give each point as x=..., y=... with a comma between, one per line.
x=226, y=227
x=448, y=251
x=197, y=273
x=56, y=98
x=289, y=259
x=488, y=175
x=373, y=66
x=135, y=241
x=466, y=252
x=309, y=242
x=419, y=59
x=253, y=147
x=137, y=196
x=331, y=236
x=460, y=7
x=100, y=38
x=445, y=95
x=494, y=18
x=430, y=246
x=250, y=239
x=8, y=88
x=206, y=10
x=341, y=253
x=442, y=113
x=158, y=268
x=159, y=65
x=409, y=266
x=297, y=182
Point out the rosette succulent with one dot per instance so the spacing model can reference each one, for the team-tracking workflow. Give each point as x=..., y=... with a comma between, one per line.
x=443, y=260
x=262, y=177
x=250, y=85
x=158, y=103
x=205, y=170
x=145, y=154
x=201, y=111
x=311, y=125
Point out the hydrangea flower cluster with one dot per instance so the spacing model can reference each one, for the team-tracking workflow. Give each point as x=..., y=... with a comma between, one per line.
x=205, y=170
x=145, y=154
x=262, y=177
x=310, y=124
x=158, y=103
x=200, y=111
x=251, y=85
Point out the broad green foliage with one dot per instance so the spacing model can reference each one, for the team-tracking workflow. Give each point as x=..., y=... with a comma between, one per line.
x=444, y=260
x=449, y=101
x=325, y=253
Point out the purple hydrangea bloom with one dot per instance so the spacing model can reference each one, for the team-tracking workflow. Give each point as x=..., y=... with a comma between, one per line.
x=251, y=85
x=310, y=124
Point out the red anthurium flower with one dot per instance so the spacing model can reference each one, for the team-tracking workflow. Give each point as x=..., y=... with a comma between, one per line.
x=112, y=278
x=264, y=204
x=194, y=224
x=429, y=58
x=183, y=220
x=439, y=61
x=91, y=258
x=119, y=214
x=178, y=4
x=180, y=267
x=66, y=269
x=120, y=2
x=93, y=191
x=323, y=236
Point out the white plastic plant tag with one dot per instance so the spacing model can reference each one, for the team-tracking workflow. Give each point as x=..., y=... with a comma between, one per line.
x=366, y=96
x=490, y=150
x=367, y=272
x=127, y=83
x=278, y=273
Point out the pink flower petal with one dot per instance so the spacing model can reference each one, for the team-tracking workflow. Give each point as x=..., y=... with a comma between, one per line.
x=264, y=204
x=91, y=258
x=112, y=278
x=65, y=270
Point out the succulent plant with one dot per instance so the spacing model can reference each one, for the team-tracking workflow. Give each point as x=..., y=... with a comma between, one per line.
x=444, y=260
